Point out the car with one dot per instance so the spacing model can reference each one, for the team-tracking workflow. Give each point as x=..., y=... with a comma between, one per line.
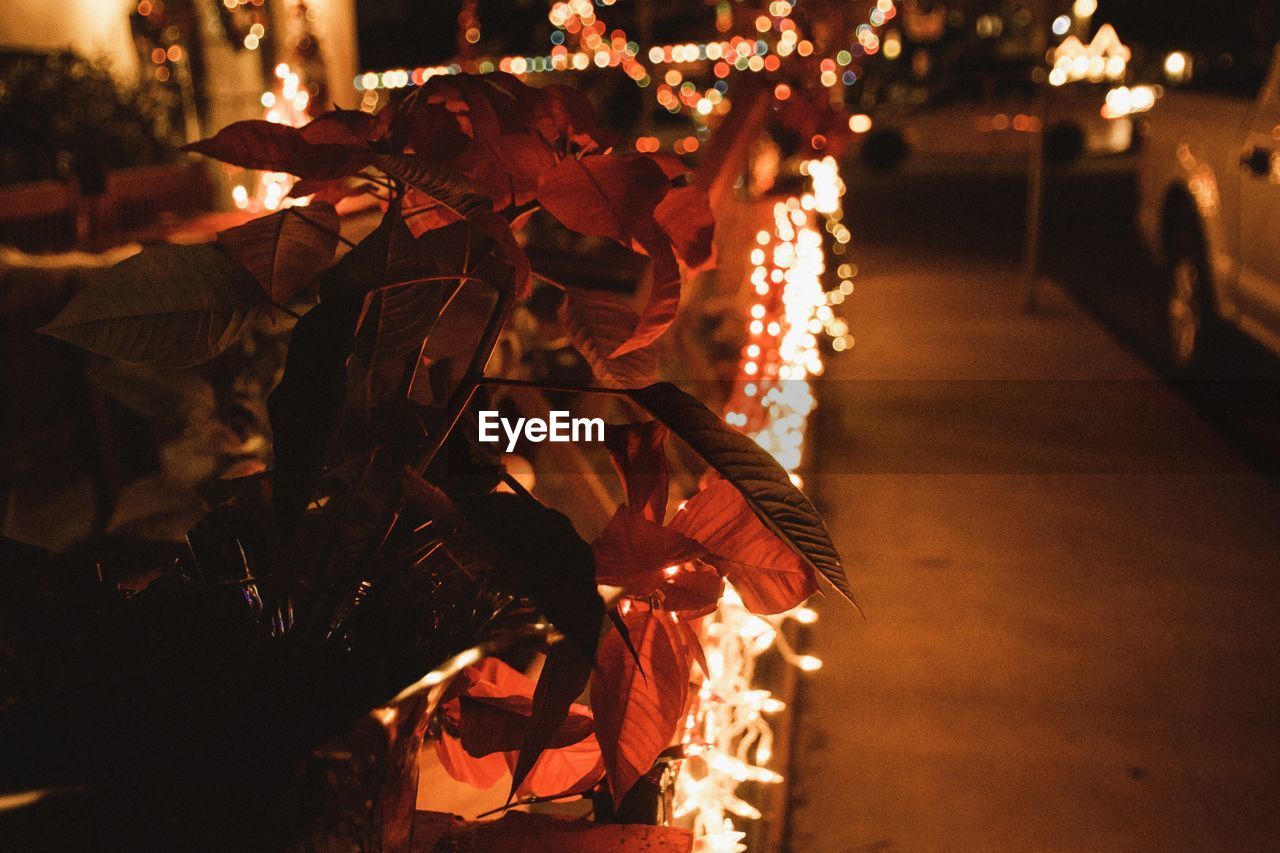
x=985, y=118
x=1209, y=212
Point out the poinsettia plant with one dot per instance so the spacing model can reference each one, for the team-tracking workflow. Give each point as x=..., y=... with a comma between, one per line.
x=380, y=499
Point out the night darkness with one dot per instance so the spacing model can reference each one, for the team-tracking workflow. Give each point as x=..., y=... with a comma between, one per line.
x=396, y=33
x=1193, y=24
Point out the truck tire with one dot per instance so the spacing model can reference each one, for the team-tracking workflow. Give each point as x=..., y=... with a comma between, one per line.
x=1191, y=325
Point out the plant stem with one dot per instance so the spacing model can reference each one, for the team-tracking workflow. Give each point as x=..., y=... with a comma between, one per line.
x=515, y=486
x=527, y=801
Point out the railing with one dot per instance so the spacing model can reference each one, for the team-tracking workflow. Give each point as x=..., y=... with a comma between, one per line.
x=57, y=215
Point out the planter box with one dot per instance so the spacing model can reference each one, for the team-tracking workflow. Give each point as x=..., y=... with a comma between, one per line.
x=520, y=832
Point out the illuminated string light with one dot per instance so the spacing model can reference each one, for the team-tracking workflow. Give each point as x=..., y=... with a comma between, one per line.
x=1105, y=57
x=727, y=737
x=580, y=43
x=285, y=104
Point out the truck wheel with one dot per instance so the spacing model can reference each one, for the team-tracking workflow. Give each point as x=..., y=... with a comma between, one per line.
x=1190, y=318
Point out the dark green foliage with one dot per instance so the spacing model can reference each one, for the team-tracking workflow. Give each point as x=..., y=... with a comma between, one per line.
x=61, y=116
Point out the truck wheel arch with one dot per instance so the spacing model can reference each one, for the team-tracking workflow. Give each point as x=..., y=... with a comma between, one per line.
x=1180, y=221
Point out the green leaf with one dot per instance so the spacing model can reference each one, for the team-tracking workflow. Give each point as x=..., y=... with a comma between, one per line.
x=171, y=306
x=782, y=507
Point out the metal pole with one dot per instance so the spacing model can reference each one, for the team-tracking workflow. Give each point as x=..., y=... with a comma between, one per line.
x=1035, y=207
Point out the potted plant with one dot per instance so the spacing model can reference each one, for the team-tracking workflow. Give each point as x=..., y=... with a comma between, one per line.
x=387, y=563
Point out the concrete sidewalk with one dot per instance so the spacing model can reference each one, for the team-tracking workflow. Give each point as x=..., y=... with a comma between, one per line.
x=1072, y=590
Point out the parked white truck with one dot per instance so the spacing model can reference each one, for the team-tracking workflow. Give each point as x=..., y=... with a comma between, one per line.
x=1209, y=209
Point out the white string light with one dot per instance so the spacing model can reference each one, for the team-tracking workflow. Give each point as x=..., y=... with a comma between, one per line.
x=727, y=736
x=286, y=103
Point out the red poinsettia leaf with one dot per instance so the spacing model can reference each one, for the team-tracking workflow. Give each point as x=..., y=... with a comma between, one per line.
x=429, y=130
x=685, y=216
x=767, y=573
x=285, y=251
x=563, y=678
x=279, y=148
x=472, y=100
x=692, y=644
x=484, y=167
x=564, y=772
x=768, y=488
x=633, y=552
x=637, y=715
x=664, y=291
x=692, y=592
x=422, y=213
x=487, y=726
x=615, y=618
x=436, y=181
x=343, y=127
x=328, y=190
x=526, y=156
x=573, y=118
x=507, y=249
x=491, y=679
x=672, y=166
x=638, y=455
x=482, y=773
x=598, y=322
x=603, y=196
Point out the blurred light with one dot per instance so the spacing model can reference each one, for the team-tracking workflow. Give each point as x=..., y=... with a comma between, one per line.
x=859, y=122
x=1143, y=98
x=1176, y=66
x=1084, y=8
x=1061, y=25
x=989, y=26
x=1119, y=103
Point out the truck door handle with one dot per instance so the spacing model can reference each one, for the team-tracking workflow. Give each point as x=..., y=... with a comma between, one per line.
x=1257, y=160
